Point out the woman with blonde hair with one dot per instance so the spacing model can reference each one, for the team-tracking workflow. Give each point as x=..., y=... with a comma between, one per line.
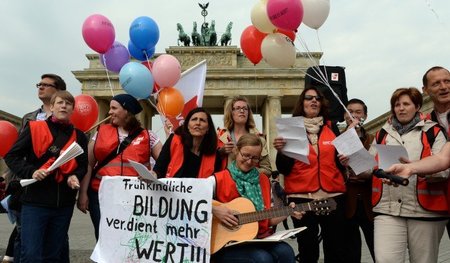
x=238, y=120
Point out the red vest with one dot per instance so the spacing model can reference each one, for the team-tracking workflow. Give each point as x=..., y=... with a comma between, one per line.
x=226, y=191
x=430, y=196
x=42, y=138
x=177, y=159
x=320, y=173
x=107, y=141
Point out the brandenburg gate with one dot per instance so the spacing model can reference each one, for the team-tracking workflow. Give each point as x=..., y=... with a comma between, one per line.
x=271, y=91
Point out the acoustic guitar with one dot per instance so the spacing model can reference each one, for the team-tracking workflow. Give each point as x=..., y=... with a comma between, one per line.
x=248, y=218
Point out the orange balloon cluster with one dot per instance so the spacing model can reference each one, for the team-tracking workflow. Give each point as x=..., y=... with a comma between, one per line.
x=170, y=102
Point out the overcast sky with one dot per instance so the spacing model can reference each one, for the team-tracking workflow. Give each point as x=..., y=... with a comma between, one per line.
x=383, y=44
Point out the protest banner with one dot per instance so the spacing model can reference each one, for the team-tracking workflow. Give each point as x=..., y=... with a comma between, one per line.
x=157, y=222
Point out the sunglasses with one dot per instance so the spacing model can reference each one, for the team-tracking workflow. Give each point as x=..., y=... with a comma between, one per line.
x=310, y=97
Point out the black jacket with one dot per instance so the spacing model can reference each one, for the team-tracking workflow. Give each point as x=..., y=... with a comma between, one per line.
x=22, y=161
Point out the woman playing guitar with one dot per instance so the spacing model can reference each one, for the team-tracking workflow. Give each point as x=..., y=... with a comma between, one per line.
x=242, y=179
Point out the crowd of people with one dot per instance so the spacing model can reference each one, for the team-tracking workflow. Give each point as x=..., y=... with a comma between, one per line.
x=395, y=220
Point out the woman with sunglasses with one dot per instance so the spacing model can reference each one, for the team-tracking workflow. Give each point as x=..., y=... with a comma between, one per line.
x=322, y=178
x=238, y=120
x=242, y=179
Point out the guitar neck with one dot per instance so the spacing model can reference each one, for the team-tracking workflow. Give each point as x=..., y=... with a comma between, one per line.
x=245, y=218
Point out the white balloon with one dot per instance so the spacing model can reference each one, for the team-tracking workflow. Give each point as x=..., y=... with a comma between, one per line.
x=278, y=50
x=315, y=12
x=260, y=19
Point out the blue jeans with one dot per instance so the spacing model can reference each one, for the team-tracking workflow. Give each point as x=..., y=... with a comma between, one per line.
x=44, y=233
x=264, y=252
x=94, y=210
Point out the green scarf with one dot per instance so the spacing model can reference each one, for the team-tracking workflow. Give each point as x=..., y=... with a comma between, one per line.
x=248, y=185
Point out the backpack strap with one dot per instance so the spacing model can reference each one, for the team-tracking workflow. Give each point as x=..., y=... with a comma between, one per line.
x=380, y=136
x=122, y=146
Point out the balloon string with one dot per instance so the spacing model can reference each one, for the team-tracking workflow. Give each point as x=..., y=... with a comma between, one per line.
x=107, y=74
x=256, y=95
x=323, y=78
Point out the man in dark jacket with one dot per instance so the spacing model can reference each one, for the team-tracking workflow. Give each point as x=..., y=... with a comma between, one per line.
x=358, y=207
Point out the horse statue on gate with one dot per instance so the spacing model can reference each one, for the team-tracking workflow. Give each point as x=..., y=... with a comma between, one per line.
x=182, y=36
x=225, y=39
x=213, y=34
x=196, y=39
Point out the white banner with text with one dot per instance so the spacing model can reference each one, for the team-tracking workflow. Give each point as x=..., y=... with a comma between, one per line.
x=157, y=222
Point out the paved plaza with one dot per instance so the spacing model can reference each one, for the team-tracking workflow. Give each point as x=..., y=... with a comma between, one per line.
x=82, y=240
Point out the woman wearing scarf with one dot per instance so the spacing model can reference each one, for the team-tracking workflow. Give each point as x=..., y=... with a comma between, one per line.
x=410, y=217
x=321, y=178
x=47, y=205
x=242, y=179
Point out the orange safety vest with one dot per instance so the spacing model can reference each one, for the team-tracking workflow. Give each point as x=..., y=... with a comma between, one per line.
x=42, y=139
x=177, y=159
x=226, y=191
x=320, y=173
x=107, y=140
x=430, y=196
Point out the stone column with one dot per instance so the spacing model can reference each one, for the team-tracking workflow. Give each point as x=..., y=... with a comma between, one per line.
x=271, y=111
x=103, y=108
x=145, y=116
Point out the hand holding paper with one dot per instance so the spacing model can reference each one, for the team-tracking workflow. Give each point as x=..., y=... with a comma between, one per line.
x=349, y=144
x=71, y=152
x=293, y=131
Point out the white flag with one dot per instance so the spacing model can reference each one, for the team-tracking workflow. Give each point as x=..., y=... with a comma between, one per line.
x=192, y=86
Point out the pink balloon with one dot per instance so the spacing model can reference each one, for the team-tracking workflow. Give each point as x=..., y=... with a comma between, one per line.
x=98, y=33
x=285, y=14
x=166, y=71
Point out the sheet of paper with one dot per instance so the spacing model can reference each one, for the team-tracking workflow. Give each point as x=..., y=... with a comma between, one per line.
x=293, y=131
x=25, y=182
x=361, y=161
x=144, y=172
x=71, y=152
x=389, y=155
x=349, y=144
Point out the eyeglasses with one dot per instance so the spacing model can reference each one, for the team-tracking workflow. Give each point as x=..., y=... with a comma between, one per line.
x=310, y=97
x=244, y=109
x=45, y=85
x=247, y=157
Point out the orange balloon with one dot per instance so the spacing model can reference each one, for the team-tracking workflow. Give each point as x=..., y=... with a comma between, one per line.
x=9, y=134
x=170, y=102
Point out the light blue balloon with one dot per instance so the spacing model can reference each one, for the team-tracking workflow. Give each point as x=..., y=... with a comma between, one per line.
x=138, y=53
x=144, y=33
x=136, y=80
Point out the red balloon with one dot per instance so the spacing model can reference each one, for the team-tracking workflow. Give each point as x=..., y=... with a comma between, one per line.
x=149, y=65
x=251, y=39
x=288, y=33
x=85, y=113
x=9, y=134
